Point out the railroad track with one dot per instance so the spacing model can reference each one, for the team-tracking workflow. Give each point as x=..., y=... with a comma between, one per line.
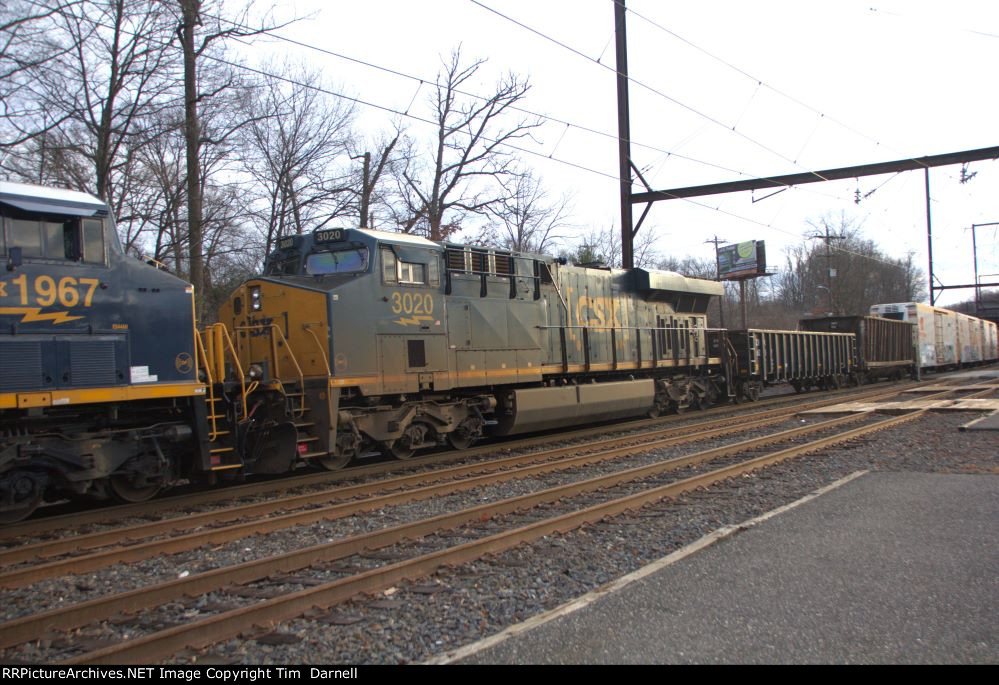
x=234, y=621
x=11, y=534
x=337, y=505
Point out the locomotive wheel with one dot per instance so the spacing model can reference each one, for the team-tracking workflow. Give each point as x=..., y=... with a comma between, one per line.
x=27, y=495
x=467, y=432
x=21, y=512
x=399, y=449
x=334, y=462
x=124, y=490
x=405, y=446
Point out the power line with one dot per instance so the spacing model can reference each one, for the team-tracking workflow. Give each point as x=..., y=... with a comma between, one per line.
x=422, y=81
x=391, y=110
x=760, y=82
x=548, y=117
x=647, y=87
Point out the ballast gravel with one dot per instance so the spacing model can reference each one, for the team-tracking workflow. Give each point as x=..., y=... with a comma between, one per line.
x=417, y=620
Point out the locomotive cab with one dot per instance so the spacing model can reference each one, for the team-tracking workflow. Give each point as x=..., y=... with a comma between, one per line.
x=97, y=357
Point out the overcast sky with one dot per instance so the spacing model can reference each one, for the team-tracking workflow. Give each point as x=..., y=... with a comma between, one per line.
x=805, y=86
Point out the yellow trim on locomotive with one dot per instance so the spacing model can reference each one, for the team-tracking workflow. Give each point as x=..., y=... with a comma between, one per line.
x=374, y=379
x=56, y=398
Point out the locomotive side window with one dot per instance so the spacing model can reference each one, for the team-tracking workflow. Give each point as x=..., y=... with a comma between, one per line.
x=93, y=241
x=395, y=270
x=412, y=273
x=27, y=236
x=73, y=240
x=337, y=261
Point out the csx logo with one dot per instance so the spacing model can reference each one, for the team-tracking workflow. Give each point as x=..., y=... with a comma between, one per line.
x=260, y=327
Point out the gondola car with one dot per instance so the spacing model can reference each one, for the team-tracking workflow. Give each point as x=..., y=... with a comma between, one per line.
x=803, y=359
x=885, y=348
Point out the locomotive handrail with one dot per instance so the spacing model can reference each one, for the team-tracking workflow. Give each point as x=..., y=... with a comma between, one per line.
x=326, y=361
x=220, y=341
x=274, y=355
x=223, y=333
x=200, y=350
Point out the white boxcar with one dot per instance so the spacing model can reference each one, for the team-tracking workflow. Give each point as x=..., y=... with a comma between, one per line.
x=991, y=347
x=943, y=337
x=969, y=339
x=936, y=331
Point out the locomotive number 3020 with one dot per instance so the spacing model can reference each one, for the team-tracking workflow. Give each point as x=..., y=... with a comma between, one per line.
x=412, y=303
x=45, y=291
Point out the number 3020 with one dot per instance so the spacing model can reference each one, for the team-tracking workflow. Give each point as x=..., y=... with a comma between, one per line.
x=412, y=303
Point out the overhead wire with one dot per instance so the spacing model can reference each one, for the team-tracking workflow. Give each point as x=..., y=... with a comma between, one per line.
x=649, y=88
x=759, y=81
x=422, y=81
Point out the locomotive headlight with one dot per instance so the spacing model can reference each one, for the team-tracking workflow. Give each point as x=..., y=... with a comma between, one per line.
x=255, y=298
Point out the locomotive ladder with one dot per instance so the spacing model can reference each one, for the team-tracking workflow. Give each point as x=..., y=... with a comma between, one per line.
x=212, y=349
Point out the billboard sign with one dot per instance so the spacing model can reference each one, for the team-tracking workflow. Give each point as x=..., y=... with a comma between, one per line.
x=742, y=260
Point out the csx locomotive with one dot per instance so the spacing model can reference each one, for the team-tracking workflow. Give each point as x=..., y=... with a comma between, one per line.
x=392, y=342
x=99, y=393
x=352, y=341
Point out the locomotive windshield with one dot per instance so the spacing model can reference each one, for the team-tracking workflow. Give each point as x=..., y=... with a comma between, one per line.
x=350, y=260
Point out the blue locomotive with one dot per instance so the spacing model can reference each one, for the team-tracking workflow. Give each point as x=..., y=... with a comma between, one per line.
x=98, y=373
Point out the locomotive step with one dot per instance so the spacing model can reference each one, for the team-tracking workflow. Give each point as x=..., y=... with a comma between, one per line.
x=220, y=450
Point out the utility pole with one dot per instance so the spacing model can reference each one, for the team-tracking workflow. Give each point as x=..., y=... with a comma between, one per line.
x=929, y=235
x=624, y=137
x=365, y=187
x=829, y=270
x=191, y=13
x=721, y=301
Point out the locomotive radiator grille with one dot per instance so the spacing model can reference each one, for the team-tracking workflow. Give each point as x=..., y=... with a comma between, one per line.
x=21, y=365
x=92, y=362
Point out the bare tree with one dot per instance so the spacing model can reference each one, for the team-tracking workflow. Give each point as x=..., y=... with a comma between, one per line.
x=863, y=273
x=470, y=151
x=296, y=147
x=603, y=246
x=204, y=26
x=28, y=43
x=393, y=155
x=112, y=70
x=525, y=218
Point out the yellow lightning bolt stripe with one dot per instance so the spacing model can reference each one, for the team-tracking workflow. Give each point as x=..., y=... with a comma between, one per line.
x=413, y=320
x=34, y=314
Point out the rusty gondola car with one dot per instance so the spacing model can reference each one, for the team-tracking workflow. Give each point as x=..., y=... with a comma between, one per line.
x=801, y=358
x=886, y=348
